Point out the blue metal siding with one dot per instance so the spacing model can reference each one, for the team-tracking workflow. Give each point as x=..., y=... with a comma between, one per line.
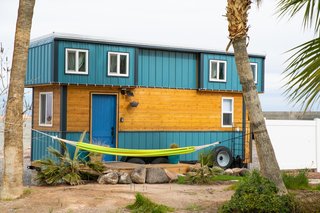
x=97, y=65
x=233, y=82
x=162, y=140
x=75, y=136
x=40, y=64
x=40, y=144
x=168, y=69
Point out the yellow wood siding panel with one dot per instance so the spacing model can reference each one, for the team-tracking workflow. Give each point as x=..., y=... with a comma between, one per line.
x=158, y=109
x=56, y=107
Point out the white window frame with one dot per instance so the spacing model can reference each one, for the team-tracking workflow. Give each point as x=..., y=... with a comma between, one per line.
x=45, y=124
x=218, y=73
x=255, y=72
x=76, y=71
x=232, y=111
x=118, y=64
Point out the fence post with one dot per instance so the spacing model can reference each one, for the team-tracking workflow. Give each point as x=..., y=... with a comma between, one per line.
x=317, y=120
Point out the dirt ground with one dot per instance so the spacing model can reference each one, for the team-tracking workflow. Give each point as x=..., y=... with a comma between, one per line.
x=114, y=198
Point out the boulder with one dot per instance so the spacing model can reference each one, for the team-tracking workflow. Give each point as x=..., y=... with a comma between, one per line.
x=171, y=175
x=138, y=175
x=107, y=171
x=124, y=178
x=244, y=172
x=156, y=175
x=236, y=171
x=110, y=178
x=228, y=172
x=194, y=168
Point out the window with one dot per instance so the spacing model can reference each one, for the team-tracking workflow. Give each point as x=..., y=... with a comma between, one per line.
x=45, y=108
x=218, y=70
x=76, y=61
x=254, y=68
x=118, y=64
x=227, y=112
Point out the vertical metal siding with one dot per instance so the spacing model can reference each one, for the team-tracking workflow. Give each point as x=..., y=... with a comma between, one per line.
x=39, y=68
x=97, y=64
x=169, y=69
x=75, y=136
x=41, y=143
x=162, y=140
x=233, y=82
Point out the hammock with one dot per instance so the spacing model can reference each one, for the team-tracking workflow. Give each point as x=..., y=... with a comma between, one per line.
x=130, y=152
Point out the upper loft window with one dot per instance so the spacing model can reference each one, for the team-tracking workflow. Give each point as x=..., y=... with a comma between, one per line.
x=218, y=70
x=118, y=64
x=76, y=61
x=254, y=68
x=227, y=112
x=45, y=108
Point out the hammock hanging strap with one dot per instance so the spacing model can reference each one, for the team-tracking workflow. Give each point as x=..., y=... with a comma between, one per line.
x=131, y=152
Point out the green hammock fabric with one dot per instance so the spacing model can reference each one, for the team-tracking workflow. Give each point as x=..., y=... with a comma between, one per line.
x=134, y=152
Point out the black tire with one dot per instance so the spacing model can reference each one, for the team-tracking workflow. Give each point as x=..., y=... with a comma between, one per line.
x=136, y=160
x=160, y=160
x=222, y=157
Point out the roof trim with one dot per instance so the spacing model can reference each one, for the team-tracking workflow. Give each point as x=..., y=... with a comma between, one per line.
x=98, y=40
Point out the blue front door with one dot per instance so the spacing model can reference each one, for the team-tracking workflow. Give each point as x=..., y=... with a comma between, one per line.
x=103, y=115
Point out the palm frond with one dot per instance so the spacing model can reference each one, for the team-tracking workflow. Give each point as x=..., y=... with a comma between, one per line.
x=311, y=11
x=303, y=74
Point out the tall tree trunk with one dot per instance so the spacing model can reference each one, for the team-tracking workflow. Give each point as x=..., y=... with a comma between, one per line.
x=12, y=183
x=268, y=162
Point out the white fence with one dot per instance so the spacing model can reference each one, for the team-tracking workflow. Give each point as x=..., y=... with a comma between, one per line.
x=296, y=143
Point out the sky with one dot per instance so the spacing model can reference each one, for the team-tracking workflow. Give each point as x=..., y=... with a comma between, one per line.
x=184, y=23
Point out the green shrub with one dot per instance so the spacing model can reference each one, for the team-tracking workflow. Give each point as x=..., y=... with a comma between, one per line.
x=257, y=194
x=143, y=204
x=206, y=158
x=299, y=181
x=66, y=169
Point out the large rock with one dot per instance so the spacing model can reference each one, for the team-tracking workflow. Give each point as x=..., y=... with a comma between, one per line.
x=244, y=172
x=156, y=175
x=236, y=171
x=124, y=178
x=171, y=175
x=228, y=172
x=138, y=175
x=110, y=178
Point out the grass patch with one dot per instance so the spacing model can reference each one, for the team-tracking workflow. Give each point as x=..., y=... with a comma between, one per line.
x=26, y=192
x=144, y=204
x=226, y=178
x=295, y=182
x=194, y=208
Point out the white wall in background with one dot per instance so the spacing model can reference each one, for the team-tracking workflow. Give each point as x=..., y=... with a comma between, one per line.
x=296, y=143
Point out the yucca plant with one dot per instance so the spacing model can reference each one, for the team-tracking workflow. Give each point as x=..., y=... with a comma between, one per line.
x=66, y=169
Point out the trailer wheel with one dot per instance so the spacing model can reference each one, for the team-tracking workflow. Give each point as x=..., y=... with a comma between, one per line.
x=136, y=160
x=160, y=160
x=222, y=157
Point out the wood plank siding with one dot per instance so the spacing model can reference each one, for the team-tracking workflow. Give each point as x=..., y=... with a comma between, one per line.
x=158, y=109
x=56, y=107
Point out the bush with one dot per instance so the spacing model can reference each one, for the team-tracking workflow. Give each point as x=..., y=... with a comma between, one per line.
x=257, y=194
x=143, y=204
x=299, y=181
x=66, y=169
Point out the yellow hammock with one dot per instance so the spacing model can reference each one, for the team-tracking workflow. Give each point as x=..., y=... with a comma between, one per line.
x=131, y=152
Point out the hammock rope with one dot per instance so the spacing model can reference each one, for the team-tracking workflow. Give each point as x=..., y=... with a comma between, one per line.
x=130, y=152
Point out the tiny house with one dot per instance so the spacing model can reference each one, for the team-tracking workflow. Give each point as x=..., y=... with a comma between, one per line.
x=136, y=96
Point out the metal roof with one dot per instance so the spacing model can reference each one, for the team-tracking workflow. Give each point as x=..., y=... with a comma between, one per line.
x=95, y=39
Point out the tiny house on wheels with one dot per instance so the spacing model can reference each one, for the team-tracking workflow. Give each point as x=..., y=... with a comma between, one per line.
x=138, y=96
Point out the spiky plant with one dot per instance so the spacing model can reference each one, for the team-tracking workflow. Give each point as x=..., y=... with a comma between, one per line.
x=66, y=169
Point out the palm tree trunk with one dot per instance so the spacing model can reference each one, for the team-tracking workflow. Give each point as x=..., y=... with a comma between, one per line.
x=268, y=162
x=12, y=183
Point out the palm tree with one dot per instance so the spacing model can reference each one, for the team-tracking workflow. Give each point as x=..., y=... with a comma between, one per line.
x=237, y=15
x=303, y=71
x=12, y=182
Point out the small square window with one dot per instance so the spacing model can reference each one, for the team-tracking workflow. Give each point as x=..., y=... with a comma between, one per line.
x=118, y=64
x=45, y=108
x=218, y=70
x=254, y=68
x=227, y=112
x=76, y=61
